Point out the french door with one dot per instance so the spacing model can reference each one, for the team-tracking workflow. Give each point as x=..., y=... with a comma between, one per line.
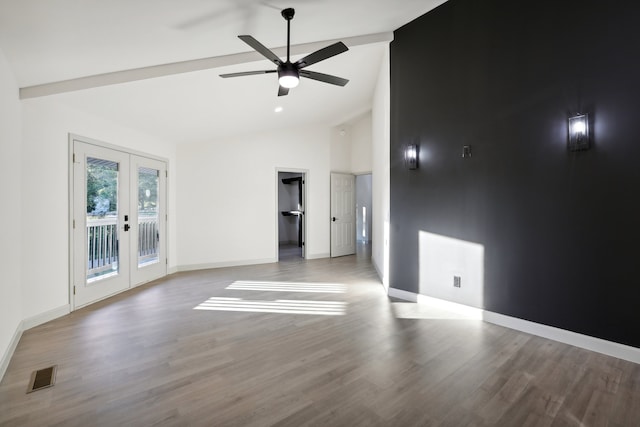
x=119, y=221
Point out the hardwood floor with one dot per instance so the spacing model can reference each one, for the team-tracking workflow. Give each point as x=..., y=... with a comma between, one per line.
x=288, y=251
x=148, y=357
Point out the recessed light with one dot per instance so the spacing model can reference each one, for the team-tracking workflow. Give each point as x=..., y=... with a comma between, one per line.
x=278, y=109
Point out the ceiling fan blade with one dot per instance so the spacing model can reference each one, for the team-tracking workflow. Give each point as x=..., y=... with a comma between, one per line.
x=261, y=49
x=247, y=73
x=282, y=91
x=326, y=78
x=322, y=54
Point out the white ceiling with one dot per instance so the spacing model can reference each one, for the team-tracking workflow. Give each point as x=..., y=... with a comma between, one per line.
x=46, y=41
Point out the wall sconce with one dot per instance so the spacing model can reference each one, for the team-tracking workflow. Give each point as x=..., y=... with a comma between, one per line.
x=466, y=151
x=578, y=132
x=411, y=156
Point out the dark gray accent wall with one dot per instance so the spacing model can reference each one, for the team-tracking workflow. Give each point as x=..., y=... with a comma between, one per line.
x=560, y=230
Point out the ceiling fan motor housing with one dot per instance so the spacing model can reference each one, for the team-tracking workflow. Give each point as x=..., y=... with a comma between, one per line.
x=288, y=13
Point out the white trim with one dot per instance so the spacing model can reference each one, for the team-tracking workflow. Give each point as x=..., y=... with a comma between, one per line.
x=86, y=140
x=378, y=272
x=172, y=270
x=39, y=319
x=154, y=71
x=237, y=263
x=71, y=214
x=473, y=312
x=609, y=348
x=404, y=295
x=24, y=325
x=8, y=354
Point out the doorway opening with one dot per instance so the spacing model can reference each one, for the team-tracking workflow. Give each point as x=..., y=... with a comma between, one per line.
x=291, y=215
x=363, y=214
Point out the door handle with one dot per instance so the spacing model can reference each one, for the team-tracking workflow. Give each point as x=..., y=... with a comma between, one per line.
x=334, y=219
x=126, y=227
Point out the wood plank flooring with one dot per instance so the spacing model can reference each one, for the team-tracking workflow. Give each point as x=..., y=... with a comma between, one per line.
x=148, y=357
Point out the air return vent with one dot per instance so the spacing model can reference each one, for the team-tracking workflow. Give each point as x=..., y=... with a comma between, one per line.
x=42, y=378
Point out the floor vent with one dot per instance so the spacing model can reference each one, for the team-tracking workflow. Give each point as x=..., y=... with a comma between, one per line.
x=42, y=378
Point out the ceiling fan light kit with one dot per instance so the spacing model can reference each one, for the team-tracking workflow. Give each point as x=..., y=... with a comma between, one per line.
x=289, y=73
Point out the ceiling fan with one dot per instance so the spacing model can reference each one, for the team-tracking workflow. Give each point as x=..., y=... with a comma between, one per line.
x=289, y=73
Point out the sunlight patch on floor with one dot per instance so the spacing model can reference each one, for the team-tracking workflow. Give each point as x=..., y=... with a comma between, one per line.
x=247, y=285
x=434, y=310
x=324, y=308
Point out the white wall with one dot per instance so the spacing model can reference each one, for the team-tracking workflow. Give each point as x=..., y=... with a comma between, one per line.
x=227, y=197
x=380, y=163
x=45, y=188
x=351, y=147
x=341, y=149
x=361, y=146
x=10, y=217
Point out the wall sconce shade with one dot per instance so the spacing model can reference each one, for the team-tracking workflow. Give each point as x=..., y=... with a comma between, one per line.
x=411, y=156
x=578, y=132
x=466, y=151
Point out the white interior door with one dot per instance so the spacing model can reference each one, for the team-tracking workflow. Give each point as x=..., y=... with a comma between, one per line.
x=343, y=215
x=118, y=221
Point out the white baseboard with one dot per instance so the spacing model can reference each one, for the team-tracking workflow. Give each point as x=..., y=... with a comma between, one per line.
x=25, y=324
x=192, y=267
x=172, y=270
x=609, y=348
x=379, y=272
x=239, y=263
x=405, y=295
x=8, y=354
x=39, y=319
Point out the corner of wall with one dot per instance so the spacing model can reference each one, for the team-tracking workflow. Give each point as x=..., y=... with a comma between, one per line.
x=380, y=166
x=11, y=153
x=11, y=348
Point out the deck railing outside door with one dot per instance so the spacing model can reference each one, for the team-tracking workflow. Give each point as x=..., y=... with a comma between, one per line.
x=102, y=243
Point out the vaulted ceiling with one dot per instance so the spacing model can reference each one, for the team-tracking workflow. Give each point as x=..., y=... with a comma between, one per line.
x=48, y=41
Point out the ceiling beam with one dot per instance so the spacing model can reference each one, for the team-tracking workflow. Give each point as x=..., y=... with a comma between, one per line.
x=151, y=72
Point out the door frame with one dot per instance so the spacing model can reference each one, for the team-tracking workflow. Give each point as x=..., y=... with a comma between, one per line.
x=305, y=210
x=70, y=195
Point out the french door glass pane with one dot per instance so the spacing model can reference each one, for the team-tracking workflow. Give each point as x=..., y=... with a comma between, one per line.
x=148, y=231
x=102, y=218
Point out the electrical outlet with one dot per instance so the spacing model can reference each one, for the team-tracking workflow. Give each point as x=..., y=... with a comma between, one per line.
x=457, y=281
